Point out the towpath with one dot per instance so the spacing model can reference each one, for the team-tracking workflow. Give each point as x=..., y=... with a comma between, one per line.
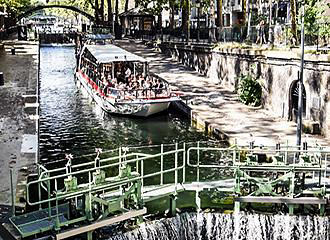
x=17, y=129
x=218, y=107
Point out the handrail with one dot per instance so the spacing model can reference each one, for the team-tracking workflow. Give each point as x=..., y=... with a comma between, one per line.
x=90, y=170
x=320, y=158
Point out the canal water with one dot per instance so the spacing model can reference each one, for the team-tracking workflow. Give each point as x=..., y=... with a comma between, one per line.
x=71, y=123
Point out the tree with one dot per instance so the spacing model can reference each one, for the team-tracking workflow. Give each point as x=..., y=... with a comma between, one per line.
x=15, y=7
x=126, y=5
x=293, y=10
x=110, y=13
x=155, y=9
x=116, y=11
x=316, y=23
x=173, y=6
x=219, y=22
x=212, y=22
x=185, y=6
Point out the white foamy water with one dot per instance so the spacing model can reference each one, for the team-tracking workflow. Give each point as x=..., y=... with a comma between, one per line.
x=217, y=226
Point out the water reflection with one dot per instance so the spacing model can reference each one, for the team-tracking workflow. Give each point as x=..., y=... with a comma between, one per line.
x=71, y=123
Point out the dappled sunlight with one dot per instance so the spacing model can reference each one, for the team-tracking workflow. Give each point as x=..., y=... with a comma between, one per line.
x=211, y=101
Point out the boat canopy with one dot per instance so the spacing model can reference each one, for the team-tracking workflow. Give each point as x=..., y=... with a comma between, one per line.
x=99, y=36
x=111, y=53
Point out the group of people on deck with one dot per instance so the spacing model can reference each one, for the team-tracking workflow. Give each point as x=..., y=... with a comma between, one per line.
x=127, y=83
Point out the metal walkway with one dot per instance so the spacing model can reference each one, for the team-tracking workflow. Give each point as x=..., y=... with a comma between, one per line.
x=113, y=186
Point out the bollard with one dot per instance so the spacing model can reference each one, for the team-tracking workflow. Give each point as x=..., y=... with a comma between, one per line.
x=2, y=82
x=13, y=51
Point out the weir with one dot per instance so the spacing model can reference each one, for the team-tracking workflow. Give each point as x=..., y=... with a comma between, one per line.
x=108, y=187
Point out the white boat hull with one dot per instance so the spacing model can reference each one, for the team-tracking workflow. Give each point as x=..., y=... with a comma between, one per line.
x=140, y=108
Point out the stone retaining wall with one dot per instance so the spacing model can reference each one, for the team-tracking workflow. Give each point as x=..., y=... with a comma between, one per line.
x=277, y=71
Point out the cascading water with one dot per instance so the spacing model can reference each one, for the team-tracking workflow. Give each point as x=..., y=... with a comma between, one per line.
x=243, y=226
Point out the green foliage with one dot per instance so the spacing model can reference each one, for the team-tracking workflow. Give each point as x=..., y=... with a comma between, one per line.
x=156, y=8
x=15, y=6
x=249, y=90
x=81, y=4
x=315, y=19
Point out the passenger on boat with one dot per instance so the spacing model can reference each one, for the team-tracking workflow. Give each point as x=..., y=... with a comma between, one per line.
x=159, y=87
x=128, y=73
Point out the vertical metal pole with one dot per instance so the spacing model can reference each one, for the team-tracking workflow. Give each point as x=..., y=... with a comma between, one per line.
x=142, y=172
x=325, y=167
x=286, y=153
x=12, y=192
x=301, y=78
x=57, y=222
x=184, y=164
x=137, y=164
x=119, y=150
x=198, y=22
x=39, y=187
x=161, y=164
x=198, y=161
x=176, y=165
x=49, y=196
x=113, y=70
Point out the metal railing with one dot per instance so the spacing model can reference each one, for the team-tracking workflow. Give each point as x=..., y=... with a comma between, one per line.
x=287, y=158
x=261, y=167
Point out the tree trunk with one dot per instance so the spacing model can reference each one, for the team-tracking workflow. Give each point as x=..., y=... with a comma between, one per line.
x=117, y=11
x=248, y=9
x=109, y=13
x=270, y=31
x=212, y=22
x=160, y=20
x=244, y=12
x=97, y=19
x=185, y=18
x=219, y=21
x=102, y=12
x=293, y=10
x=126, y=5
x=172, y=12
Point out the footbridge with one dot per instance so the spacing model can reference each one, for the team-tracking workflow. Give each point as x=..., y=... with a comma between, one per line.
x=40, y=7
x=89, y=192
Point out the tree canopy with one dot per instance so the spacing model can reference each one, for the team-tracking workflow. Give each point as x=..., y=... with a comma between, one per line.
x=16, y=6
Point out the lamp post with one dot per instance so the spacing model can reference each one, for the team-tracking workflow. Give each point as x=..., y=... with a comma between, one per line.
x=301, y=78
x=198, y=5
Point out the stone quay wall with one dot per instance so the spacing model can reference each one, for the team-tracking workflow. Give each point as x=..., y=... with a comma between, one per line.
x=277, y=72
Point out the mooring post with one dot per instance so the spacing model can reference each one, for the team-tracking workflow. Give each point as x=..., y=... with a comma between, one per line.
x=291, y=209
x=198, y=201
x=322, y=209
x=173, y=204
x=90, y=235
x=12, y=192
x=237, y=207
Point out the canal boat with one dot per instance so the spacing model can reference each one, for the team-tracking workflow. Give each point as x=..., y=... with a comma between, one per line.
x=120, y=83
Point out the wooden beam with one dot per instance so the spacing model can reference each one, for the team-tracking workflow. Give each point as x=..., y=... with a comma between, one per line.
x=99, y=224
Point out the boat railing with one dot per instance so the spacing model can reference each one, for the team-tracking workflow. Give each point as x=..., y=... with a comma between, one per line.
x=140, y=93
